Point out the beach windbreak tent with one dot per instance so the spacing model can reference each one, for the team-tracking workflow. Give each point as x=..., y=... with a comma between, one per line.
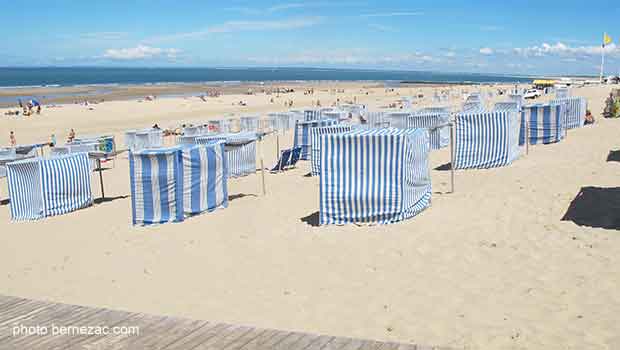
x=374, y=176
x=302, y=135
x=506, y=106
x=486, y=139
x=240, y=151
x=545, y=123
x=436, y=124
x=576, y=108
x=316, y=134
x=170, y=184
x=42, y=187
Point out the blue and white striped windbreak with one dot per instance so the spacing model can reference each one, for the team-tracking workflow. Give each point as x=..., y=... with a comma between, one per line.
x=435, y=123
x=374, y=176
x=249, y=123
x=518, y=98
x=486, y=140
x=316, y=134
x=376, y=119
x=506, y=106
x=240, y=152
x=143, y=139
x=576, y=108
x=169, y=184
x=41, y=187
x=473, y=107
x=302, y=135
x=434, y=110
x=312, y=115
x=562, y=93
x=545, y=123
x=6, y=155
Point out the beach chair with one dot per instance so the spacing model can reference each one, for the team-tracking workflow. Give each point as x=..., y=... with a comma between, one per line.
x=283, y=162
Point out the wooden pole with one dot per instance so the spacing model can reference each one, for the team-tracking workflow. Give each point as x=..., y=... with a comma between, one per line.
x=452, y=158
x=100, y=178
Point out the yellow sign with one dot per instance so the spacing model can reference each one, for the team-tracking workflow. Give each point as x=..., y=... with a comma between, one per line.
x=606, y=39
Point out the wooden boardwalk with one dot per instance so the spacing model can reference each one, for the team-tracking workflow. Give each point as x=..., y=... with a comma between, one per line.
x=154, y=332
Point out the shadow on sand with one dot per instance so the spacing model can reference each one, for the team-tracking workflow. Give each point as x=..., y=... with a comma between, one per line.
x=595, y=207
x=613, y=156
x=312, y=219
x=444, y=167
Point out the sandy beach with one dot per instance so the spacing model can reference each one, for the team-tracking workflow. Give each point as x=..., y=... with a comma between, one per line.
x=490, y=266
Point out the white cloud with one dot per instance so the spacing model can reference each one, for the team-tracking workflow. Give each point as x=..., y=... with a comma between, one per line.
x=486, y=51
x=351, y=57
x=561, y=49
x=392, y=14
x=140, y=52
x=243, y=26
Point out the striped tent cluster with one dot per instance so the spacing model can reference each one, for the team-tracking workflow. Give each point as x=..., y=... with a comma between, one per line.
x=6, y=155
x=281, y=121
x=218, y=126
x=576, y=108
x=240, y=151
x=316, y=134
x=171, y=184
x=375, y=176
x=545, y=123
x=506, y=106
x=517, y=98
x=562, y=93
x=249, y=123
x=376, y=119
x=312, y=115
x=302, y=135
x=42, y=187
x=143, y=139
x=435, y=123
x=473, y=107
x=105, y=143
x=486, y=139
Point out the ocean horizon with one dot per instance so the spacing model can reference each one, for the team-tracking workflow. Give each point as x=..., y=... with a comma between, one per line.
x=30, y=77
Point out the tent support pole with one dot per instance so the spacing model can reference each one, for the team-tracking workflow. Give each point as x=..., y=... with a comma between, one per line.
x=527, y=138
x=100, y=178
x=451, y=158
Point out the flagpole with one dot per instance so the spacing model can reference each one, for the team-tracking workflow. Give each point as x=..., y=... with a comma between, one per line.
x=602, y=57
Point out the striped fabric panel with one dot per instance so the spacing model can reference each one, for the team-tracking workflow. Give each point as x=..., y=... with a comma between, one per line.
x=156, y=192
x=562, y=93
x=576, y=108
x=6, y=154
x=25, y=193
x=240, y=152
x=249, y=123
x=486, y=140
x=435, y=123
x=506, y=106
x=312, y=115
x=545, y=123
x=370, y=176
x=376, y=119
x=472, y=107
x=204, y=178
x=66, y=183
x=302, y=135
x=316, y=143
x=435, y=110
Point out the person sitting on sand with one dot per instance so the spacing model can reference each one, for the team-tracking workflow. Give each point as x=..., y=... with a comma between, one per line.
x=71, y=136
x=589, y=118
x=26, y=112
x=52, y=141
x=12, y=140
x=156, y=127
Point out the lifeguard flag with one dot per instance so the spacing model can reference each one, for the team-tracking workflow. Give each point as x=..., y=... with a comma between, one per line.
x=606, y=39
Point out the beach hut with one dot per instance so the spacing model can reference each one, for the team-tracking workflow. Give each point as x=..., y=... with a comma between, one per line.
x=545, y=123
x=316, y=134
x=240, y=151
x=374, y=176
x=576, y=108
x=302, y=135
x=171, y=184
x=486, y=139
x=42, y=187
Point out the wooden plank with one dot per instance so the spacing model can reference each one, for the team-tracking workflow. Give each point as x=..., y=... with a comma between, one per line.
x=355, y=344
x=265, y=340
x=21, y=310
x=123, y=341
x=224, y=339
x=245, y=339
x=163, y=337
x=108, y=318
x=195, y=338
x=336, y=343
x=311, y=341
x=288, y=342
x=370, y=345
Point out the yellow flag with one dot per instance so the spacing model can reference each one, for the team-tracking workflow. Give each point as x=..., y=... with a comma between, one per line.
x=606, y=39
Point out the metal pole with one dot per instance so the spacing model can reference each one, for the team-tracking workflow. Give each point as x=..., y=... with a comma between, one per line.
x=527, y=137
x=100, y=178
x=277, y=145
x=452, y=157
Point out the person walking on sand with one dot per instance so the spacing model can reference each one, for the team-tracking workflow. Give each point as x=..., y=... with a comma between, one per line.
x=12, y=139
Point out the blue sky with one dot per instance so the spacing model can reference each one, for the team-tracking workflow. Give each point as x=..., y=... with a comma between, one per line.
x=537, y=37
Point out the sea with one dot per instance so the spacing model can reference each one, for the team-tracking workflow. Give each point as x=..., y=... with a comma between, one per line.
x=80, y=76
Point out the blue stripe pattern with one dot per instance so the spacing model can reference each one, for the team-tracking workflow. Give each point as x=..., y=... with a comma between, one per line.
x=170, y=184
x=374, y=176
x=545, y=123
x=486, y=140
x=240, y=152
x=506, y=106
x=46, y=187
x=576, y=108
x=435, y=123
x=301, y=137
x=249, y=123
x=316, y=143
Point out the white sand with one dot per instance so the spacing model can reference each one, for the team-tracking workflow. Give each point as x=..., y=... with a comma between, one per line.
x=490, y=266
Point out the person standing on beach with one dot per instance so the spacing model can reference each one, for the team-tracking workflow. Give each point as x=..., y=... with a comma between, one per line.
x=12, y=140
x=71, y=136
